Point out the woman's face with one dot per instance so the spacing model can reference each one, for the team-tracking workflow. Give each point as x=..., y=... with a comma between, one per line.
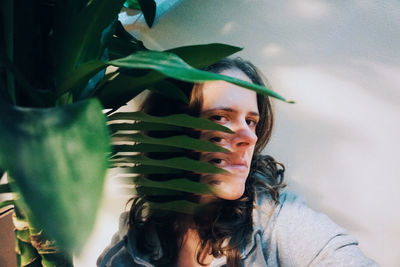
x=236, y=108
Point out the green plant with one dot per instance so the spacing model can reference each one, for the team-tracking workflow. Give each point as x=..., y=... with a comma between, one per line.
x=55, y=144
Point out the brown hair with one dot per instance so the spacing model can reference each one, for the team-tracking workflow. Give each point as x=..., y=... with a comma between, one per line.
x=228, y=228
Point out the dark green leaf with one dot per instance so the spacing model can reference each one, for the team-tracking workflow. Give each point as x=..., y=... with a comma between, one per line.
x=171, y=65
x=122, y=48
x=181, y=141
x=182, y=120
x=5, y=188
x=81, y=75
x=122, y=43
x=133, y=4
x=29, y=256
x=121, y=33
x=170, y=90
x=153, y=191
x=81, y=32
x=26, y=88
x=148, y=8
x=196, y=55
x=200, y=56
x=57, y=158
x=181, y=184
x=177, y=163
x=177, y=206
x=142, y=126
x=23, y=235
x=56, y=259
x=148, y=169
x=119, y=90
x=144, y=148
x=7, y=45
x=6, y=203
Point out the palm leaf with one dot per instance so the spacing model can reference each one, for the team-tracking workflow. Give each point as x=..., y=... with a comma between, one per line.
x=178, y=206
x=182, y=120
x=118, y=148
x=5, y=188
x=181, y=163
x=178, y=184
x=6, y=203
x=141, y=125
x=181, y=141
x=171, y=65
x=149, y=169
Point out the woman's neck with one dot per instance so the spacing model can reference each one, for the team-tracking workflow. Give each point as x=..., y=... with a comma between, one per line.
x=191, y=244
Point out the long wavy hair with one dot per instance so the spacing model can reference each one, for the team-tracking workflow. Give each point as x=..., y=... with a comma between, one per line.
x=228, y=225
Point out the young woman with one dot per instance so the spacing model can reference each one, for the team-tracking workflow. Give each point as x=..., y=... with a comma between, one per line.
x=249, y=221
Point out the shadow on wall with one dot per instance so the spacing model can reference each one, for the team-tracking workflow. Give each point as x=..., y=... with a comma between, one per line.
x=340, y=62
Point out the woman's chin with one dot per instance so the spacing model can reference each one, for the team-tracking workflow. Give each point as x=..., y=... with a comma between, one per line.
x=228, y=191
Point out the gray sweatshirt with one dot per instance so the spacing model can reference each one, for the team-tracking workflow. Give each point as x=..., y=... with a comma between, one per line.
x=287, y=234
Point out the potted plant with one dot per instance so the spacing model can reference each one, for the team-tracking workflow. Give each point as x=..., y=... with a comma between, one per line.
x=55, y=144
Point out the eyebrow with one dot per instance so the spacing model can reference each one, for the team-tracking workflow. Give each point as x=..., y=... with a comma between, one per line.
x=252, y=113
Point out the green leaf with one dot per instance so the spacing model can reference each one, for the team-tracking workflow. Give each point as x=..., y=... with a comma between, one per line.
x=144, y=148
x=23, y=235
x=152, y=191
x=133, y=4
x=21, y=81
x=121, y=33
x=171, y=65
x=81, y=75
x=119, y=90
x=196, y=55
x=122, y=43
x=29, y=255
x=58, y=159
x=182, y=120
x=200, y=56
x=142, y=126
x=181, y=163
x=180, y=184
x=56, y=259
x=7, y=45
x=81, y=31
x=178, y=206
x=170, y=90
x=147, y=169
x=5, y=188
x=181, y=141
x=148, y=8
x=6, y=203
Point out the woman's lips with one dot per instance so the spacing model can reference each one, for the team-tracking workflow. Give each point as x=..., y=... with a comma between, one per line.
x=236, y=167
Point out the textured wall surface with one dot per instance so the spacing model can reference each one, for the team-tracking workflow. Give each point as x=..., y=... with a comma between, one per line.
x=339, y=61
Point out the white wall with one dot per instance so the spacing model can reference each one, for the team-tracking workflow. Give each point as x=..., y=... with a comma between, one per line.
x=338, y=60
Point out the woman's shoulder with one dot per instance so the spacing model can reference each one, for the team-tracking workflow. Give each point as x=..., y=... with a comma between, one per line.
x=303, y=235
x=291, y=213
x=268, y=210
x=116, y=254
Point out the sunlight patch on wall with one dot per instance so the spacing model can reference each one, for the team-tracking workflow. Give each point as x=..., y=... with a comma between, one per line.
x=311, y=9
x=228, y=28
x=272, y=50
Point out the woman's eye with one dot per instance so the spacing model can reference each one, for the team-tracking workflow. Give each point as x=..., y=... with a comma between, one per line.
x=216, y=161
x=216, y=118
x=215, y=139
x=252, y=123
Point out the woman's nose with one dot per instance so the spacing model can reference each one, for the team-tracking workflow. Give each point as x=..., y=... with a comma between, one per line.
x=244, y=136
